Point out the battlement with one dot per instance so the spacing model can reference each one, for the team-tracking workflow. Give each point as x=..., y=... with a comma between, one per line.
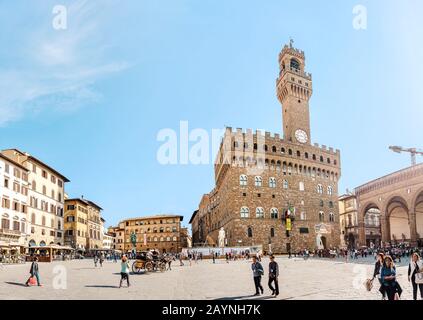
x=273, y=137
x=289, y=49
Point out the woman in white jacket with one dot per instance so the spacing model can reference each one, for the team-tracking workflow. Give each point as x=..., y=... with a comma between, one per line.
x=415, y=267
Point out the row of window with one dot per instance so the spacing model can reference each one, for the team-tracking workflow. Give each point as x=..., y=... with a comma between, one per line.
x=17, y=173
x=43, y=221
x=16, y=225
x=44, y=174
x=44, y=206
x=154, y=230
x=16, y=206
x=141, y=223
x=16, y=187
x=156, y=239
x=287, y=169
x=274, y=214
x=283, y=151
x=258, y=182
x=44, y=192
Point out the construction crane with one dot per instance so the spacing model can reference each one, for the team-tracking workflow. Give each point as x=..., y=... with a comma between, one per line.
x=412, y=151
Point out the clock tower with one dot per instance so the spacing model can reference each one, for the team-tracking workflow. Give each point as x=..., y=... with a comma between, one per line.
x=294, y=89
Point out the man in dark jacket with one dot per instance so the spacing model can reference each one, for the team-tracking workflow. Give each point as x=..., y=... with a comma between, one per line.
x=273, y=276
x=257, y=273
x=34, y=271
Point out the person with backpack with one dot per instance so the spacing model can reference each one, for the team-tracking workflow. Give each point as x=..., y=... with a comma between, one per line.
x=257, y=273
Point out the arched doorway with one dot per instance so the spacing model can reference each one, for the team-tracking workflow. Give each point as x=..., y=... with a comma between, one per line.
x=418, y=209
x=42, y=244
x=373, y=227
x=351, y=241
x=371, y=219
x=399, y=226
x=324, y=242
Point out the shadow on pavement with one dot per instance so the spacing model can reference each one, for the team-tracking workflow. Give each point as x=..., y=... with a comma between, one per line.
x=16, y=284
x=101, y=286
x=250, y=297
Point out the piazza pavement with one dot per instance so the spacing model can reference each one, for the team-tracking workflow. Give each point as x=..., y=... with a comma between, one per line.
x=312, y=279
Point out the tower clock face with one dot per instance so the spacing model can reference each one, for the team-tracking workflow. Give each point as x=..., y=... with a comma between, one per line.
x=301, y=136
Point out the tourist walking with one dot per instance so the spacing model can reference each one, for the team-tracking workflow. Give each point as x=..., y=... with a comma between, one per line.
x=273, y=276
x=34, y=271
x=101, y=259
x=257, y=273
x=389, y=275
x=95, y=260
x=214, y=257
x=378, y=273
x=415, y=267
x=124, y=271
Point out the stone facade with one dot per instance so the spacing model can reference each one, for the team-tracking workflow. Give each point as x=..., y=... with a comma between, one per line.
x=399, y=198
x=260, y=178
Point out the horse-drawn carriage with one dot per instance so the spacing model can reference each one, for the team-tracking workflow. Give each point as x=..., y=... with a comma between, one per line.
x=149, y=261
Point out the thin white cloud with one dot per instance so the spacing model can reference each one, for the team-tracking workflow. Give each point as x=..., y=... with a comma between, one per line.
x=60, y=67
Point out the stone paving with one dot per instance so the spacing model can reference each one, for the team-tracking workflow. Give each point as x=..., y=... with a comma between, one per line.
x=311, y=279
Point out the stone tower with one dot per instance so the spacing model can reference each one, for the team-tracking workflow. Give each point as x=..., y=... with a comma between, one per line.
x=294, y=89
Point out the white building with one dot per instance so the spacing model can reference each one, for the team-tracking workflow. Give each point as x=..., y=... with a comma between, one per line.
x=14, y=229
x=46, y=199
x=108, y=240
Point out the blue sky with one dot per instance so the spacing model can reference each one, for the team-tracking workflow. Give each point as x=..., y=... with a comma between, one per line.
x=91, y=99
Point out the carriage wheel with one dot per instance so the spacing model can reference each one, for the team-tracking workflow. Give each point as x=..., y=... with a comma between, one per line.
x=162, y=267
x=137, y=267
x=149, y=266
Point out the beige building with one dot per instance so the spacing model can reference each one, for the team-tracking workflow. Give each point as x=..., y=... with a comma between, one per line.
x=118, y=236
x=277, y=192
x=161, y=232
x=46, y=199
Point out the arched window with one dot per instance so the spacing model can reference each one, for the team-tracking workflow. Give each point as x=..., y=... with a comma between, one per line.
x=319, y=189
x=301, y=186
x=282, y=150
x=245, y=212
x=34, y=185
x=321, y=203
x=250, y=232
x=295, y=64
x=330, y=190
x=306, y=155
x=330, y=204
x=321, y=216
x=155, y=239
x=331, y=217
x=303, y=216
x=258, y=181
x=321, y=159
x=243, y=180
x=260, y=212
x=168, y=239
x=285, y=184
x=272, y=182
x=298, y=153
x=272, y=232
x=274, y=213
x=290, y=152
x=273, y=149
